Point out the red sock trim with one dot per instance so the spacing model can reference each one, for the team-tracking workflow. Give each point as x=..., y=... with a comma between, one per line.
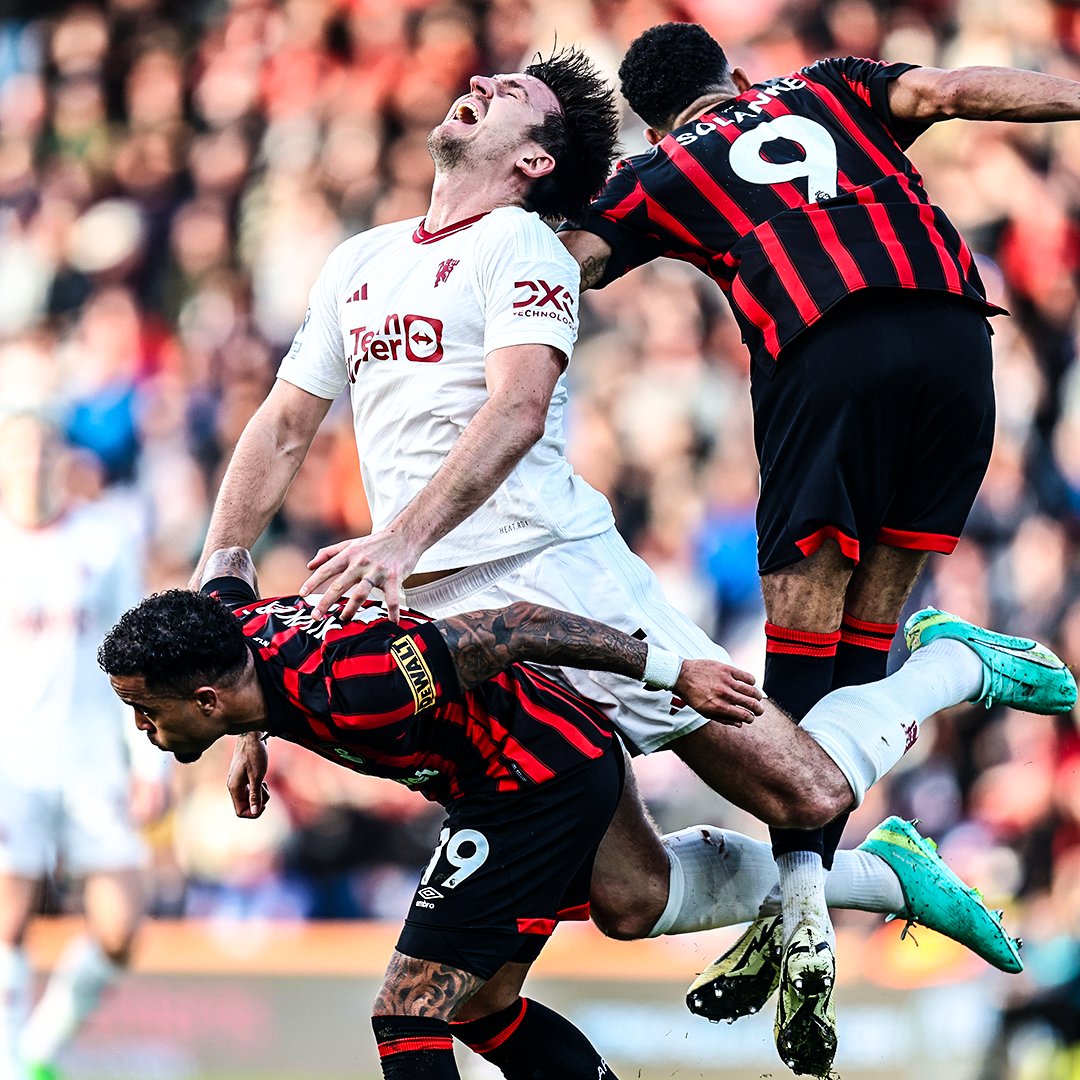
x=412, y=1044
x=496, y=1040
x=867, y=635
x=782, y=639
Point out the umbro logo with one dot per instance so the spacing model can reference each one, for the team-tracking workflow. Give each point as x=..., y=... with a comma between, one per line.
x=446, y=268
x=429, y=893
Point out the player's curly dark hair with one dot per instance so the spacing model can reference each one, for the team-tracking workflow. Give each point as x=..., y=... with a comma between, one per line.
x=582, y=139
x=177, y=641
x=668, y=67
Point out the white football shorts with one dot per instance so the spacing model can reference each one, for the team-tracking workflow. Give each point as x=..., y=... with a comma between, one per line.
x=602, y=579
x=83, y=828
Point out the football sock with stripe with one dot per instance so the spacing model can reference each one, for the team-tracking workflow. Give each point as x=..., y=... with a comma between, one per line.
x=867, y=729
x=861, y=657
x=415, y=1048
x=799, y=668
x=529, y=1041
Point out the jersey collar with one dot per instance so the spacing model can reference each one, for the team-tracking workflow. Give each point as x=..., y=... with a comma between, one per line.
x=422, y=236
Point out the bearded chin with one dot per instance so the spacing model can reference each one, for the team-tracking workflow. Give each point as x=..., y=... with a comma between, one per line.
x=446, y=150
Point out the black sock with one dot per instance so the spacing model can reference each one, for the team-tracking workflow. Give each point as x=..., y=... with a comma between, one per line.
x=415, y=1048
x=863, y=653
x=798, y=674
x=529, y=1041
x=861, y=657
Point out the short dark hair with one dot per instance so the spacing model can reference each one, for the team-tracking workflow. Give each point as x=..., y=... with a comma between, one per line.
x=582, y=139
x=668, y=67
x=177, y=641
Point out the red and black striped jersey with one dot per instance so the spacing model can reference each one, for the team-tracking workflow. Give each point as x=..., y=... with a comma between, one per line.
x=383, y=698
x=791, y=196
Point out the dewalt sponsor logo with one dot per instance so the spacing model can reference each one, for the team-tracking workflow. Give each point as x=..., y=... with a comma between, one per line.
x=408, y=658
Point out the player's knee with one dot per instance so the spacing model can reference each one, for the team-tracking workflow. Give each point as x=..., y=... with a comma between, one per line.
x=808, y=808
x=621, y=918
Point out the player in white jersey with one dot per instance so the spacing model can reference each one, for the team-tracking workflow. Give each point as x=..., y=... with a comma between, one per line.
x=453, y=334
x=65, y=777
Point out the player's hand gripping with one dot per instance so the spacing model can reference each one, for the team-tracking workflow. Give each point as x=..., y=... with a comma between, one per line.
x=380, y=561
x=719, y=691
x=247, y=772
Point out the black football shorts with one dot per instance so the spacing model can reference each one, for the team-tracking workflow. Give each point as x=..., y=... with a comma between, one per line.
x=876, y=428
x=509, y=867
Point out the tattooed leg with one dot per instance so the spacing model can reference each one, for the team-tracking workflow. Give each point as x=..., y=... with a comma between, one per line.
x=414, y=987
x=411, y=1018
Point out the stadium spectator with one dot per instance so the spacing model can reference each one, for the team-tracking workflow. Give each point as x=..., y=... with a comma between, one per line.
x=69, y=796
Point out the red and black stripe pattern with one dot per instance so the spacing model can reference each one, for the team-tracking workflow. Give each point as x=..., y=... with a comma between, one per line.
x=414, y=1048
x=783, y=640
x=818, y=202
x=383, y=698
x=867, y=635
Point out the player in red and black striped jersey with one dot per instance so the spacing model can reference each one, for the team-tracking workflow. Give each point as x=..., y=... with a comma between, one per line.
x=528, y=770
x=352, y=692
x=864, y=315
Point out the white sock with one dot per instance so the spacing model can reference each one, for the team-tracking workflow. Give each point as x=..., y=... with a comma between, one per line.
x=867, y=729
x=722, y=878
x=14, y=1000
x=802, y=892
x=865, y=882
x=73, y=992
x=718, y=878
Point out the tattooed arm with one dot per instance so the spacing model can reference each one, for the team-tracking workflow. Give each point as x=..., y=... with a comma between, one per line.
x=483, y=643
x=231, y=562
x=591, y=252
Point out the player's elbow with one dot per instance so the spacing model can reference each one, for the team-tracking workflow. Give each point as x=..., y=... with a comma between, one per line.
x=950, y=97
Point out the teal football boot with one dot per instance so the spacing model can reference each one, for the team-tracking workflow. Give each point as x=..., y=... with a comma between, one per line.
x=1018, y=672
x=936, y=898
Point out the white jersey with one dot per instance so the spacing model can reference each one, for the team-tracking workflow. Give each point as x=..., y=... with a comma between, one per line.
x=405, y=318
x=64, y=585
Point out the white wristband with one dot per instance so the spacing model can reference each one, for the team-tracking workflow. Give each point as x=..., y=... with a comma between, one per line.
x=661, y=668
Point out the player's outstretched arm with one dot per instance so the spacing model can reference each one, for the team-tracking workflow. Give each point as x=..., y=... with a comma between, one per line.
x=983, y=93
x=520, y=382
x=250, y=760
x=483, y=643
x=267, y=457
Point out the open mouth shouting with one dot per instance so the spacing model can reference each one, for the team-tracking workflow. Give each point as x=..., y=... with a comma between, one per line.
x=467, y=110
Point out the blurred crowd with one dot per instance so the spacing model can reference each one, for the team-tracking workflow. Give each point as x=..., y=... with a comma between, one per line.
x=172, y=176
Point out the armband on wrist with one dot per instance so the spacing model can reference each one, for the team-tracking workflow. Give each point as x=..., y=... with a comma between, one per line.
x=661, y=668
